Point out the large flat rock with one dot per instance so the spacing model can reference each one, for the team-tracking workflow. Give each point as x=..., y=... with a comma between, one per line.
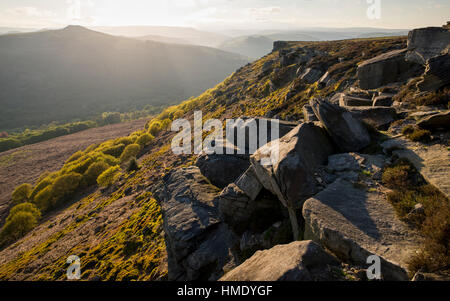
x=386, y=68
x=354, y=223
x=436, y=121
x=433, y=162
x=378, y=117
x=297, y=261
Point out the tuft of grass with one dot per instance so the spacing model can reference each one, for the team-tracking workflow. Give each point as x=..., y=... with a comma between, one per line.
x=434, y=98
x=367, y=173
x=132, y=165
x=401, y=175
x=109, y=176
x=417, y=135
x=420, y=136
x=408, y=130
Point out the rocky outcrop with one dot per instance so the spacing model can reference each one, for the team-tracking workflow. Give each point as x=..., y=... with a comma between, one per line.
x=298, y=261
x=243, y=206
x=242, y=130
x=387, y=68
x=222, y=170
x=355, y=223
x=352, y=101
x=358, y=92
x=436, y=121
x=308, y=114
x=267, y=67
x=336, y=98
x=342, y=164
x=347, y=132
x=377, y=117
x=311, y=75
x=242, y=213
x=249, y=184
x=236, y=207
x=198, y=243
x=297, y=56
x=291, y=175
x=437, y=74
x=425, y=43
x=383, y=100
x=277, y=45
x=326, y=80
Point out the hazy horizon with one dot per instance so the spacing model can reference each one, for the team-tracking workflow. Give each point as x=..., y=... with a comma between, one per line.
x=225, y=15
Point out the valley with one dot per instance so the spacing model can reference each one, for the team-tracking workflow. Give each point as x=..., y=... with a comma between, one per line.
x=27, y=163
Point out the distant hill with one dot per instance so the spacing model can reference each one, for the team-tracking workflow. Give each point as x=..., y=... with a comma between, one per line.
x=60, y=75
x=383, y=34
x=163, y=39
x=251, y=46
x=187, y=34
x=10, y=30
x=256, y=46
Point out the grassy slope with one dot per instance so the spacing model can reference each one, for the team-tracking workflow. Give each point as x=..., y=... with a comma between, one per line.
x=134, y=248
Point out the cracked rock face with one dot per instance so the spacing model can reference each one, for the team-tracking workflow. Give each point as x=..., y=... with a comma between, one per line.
x=311, y=75
x=378, y=117
x=241, y=132
x=198, y=243
x=222, y=170
x=291, y=177
x=437, y=73
x=425, y=43
x=347, y=132
x=356, y=162
x=297, y=261
x=387, y=68
x=308, y=114
x=352, y=101
x=355, y=223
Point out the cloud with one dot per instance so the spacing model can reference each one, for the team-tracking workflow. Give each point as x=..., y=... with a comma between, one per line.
x=266, y=10
x=29, y=11
x=264, y=13
x=26, y=16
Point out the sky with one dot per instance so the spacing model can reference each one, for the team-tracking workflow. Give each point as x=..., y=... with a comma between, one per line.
x=226, y=14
